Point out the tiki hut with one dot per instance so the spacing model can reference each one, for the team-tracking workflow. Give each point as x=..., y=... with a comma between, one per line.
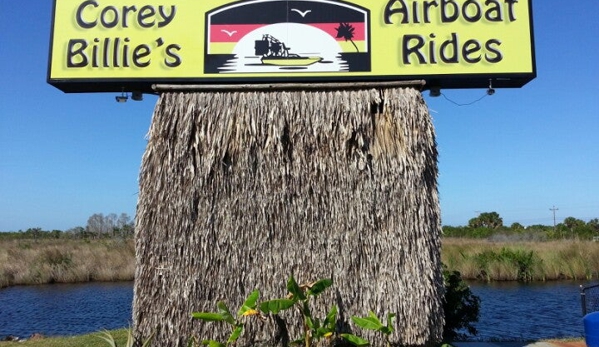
x=241, y=189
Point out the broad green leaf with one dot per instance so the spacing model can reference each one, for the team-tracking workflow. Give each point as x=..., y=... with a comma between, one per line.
x=276, y=306
x=355, y=340
x=250, y=302
x=306, y=309
x=386, y=330
x=225, y=312
x=295, y=290
x=373, y=316
x=368, y=323
x=312, y=324
x=320, y=286
x=331, y=318
x=390, y=318
x=212, y=343
x=208, y=316
x=235, y=334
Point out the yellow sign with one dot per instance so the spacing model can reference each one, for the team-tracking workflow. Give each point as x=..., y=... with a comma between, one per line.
x=109, y=45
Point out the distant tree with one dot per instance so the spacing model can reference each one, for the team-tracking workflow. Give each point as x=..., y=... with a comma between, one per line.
x=451, y=231
x=490, y=220
x=125, y=225
x=128, y=230
x=593, y=224
x=573, y=228
x=538, y=227
x=517, y=227
x=111, y=221
x=77, y=232
x=110, y=225
x=97, y=225
x=572, y=223
x=34, y=233
x=474, y=222
x=123, y=220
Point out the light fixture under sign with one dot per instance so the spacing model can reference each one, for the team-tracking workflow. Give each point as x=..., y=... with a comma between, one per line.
x=435, y=92
x=122, y=98
x=490, y=90
x=137, y=96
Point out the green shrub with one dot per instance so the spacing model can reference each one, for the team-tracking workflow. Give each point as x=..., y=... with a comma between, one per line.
x=522, y=260
x=461, y=307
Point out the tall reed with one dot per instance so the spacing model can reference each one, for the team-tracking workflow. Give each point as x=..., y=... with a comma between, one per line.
x=65, y=261
x=525, y=261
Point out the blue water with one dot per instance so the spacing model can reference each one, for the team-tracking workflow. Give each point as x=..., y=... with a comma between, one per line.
x=64, y=309
x=517, y=311
x=509, y=311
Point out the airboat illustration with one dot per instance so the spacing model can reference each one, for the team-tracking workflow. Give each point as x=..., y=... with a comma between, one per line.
x=275, y=52
x=279, y=38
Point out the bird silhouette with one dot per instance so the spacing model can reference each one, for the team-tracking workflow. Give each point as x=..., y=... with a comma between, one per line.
x=230, y=33
x=303, y=14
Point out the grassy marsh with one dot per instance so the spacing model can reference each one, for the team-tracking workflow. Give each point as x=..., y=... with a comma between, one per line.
x=525, y=261
x=25, y=261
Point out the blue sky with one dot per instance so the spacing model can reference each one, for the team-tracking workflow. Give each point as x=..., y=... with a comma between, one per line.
x=64, y=157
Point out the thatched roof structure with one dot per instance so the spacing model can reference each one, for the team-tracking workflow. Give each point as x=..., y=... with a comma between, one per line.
x=239, y=190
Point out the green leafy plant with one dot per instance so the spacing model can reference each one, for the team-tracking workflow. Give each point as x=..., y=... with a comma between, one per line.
x=106, y=336
x=461, y=307
x=522, y=260
x=224, y=315
x=299, y=296
x=372, y=322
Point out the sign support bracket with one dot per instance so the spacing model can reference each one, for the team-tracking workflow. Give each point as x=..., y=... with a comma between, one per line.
x=419, y=84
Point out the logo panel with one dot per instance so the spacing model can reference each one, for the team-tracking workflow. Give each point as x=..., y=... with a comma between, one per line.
x=286, y=37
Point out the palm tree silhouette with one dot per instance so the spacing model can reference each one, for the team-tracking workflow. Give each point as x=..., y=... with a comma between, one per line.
x=346, y=31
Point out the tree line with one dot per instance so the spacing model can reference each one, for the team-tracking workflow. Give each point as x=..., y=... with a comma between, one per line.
x=490, y=225
x=485, y=225
x=98, y=226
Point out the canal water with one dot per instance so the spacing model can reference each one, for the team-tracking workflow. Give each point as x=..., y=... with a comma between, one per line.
x=522, y=312
x=64, y=309
x=509, y=311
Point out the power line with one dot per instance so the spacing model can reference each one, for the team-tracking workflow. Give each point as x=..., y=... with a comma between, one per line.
x=554, y=209
x=466, y=104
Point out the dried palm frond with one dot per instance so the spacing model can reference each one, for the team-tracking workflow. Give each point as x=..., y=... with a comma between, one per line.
x=239, y=190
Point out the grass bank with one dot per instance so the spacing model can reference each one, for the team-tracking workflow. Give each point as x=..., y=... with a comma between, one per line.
x=525, y=261
x=88, y=340
x=120, y=337
x=25, y=261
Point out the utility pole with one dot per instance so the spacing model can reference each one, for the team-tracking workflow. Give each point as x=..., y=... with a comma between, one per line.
x=554, y=209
